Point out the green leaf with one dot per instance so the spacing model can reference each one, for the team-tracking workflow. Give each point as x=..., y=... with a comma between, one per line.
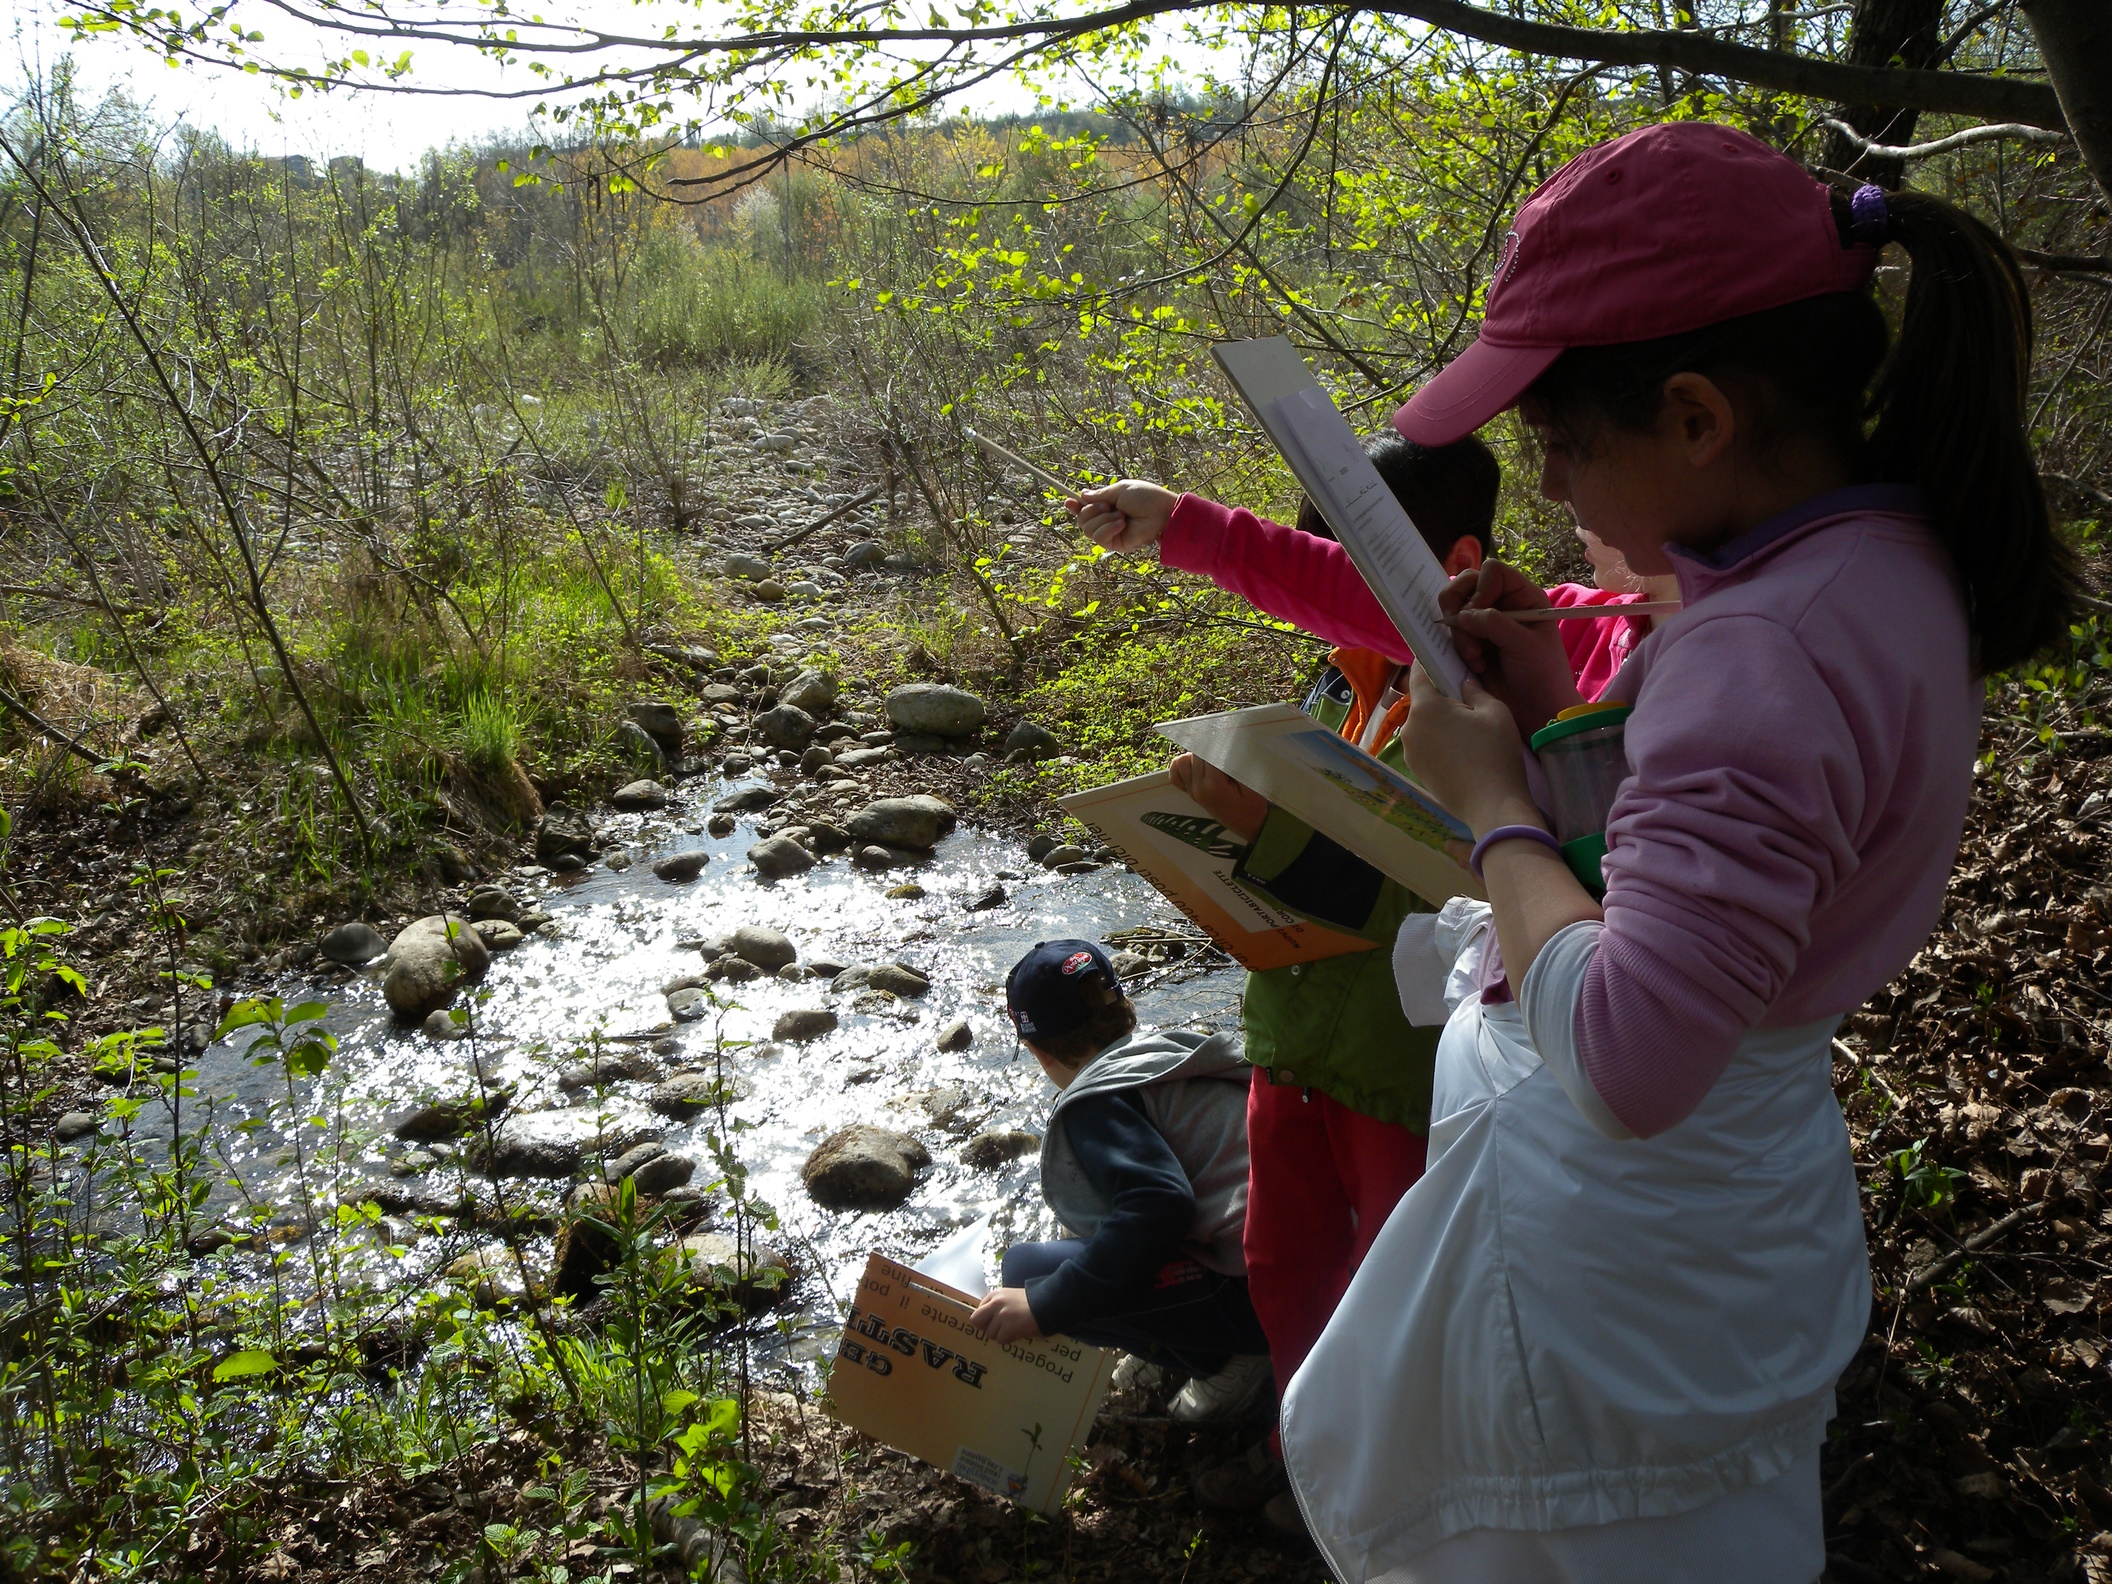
x=677, y=1400
x=724, y=1416
x=309, y=1057
x=308, y=1012
x=244, y=1013
x=237, y=1365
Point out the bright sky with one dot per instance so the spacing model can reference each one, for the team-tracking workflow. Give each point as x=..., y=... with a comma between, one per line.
x=388, y=131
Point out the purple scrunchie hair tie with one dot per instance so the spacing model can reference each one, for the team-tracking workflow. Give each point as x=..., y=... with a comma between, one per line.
x=1869, y=222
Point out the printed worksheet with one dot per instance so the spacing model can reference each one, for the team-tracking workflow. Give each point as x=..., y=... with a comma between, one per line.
x=1172, y=841
x=1328, y=459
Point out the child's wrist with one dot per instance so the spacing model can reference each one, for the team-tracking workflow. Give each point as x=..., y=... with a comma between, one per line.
x=1508, y=809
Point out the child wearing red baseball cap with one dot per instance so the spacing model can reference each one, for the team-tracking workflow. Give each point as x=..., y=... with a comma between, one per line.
x=1598, y=1340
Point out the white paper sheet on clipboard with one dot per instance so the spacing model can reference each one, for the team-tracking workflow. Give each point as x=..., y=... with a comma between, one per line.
x=959, y=1261
x=1327, y=458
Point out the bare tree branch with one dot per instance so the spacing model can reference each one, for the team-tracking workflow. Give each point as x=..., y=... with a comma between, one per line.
x=680, y=61
x=2066, y=263
x=1944, y=145
x=1945, y=92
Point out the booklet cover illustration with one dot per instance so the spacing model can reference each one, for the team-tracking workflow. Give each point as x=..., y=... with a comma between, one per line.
x=1334, y=786
x=1170, y=840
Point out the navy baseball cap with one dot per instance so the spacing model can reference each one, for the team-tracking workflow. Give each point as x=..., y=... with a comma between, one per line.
x=1041, y=992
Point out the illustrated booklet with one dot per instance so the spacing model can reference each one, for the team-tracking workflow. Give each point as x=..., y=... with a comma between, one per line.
x=1169, y=839
x=1338, y=789
x=910, y=1373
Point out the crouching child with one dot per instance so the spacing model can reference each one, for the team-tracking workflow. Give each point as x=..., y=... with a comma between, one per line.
x=1145, y=1161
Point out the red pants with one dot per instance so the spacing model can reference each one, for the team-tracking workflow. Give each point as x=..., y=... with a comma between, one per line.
x=1321, y=1181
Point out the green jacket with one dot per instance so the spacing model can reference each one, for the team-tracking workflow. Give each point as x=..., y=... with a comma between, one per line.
x=1336, y=1025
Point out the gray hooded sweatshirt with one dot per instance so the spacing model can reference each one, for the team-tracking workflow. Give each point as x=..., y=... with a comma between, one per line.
x=1193, y=1088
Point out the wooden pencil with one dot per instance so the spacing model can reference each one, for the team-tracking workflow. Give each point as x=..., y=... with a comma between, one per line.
x=1017, y=460
x=1550, y=613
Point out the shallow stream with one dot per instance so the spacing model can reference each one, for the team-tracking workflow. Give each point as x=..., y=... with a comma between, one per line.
x=617, y=939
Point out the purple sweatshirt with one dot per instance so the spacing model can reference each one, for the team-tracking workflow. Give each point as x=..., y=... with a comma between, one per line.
x=1802, y=754
x=1802, y=748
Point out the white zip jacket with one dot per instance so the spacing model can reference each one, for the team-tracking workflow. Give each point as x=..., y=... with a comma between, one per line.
x=1559, y=1329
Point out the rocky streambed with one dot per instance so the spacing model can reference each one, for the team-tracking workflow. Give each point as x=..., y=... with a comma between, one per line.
x=773, y=942
x=846, y=1010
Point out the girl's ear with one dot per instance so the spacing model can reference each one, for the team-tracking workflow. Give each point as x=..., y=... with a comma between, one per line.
x=1702, y=422
x=1464, y=556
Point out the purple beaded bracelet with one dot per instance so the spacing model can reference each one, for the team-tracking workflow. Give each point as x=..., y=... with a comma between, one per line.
x=1511, y=833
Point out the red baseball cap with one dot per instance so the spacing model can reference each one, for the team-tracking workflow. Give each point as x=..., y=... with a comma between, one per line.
x=1656, y=233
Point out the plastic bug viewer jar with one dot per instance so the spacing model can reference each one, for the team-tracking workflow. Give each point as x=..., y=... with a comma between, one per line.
x=1584, y=754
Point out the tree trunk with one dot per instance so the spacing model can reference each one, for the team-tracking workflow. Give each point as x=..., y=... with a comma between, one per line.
x=1879, y=33
x=2075, y=41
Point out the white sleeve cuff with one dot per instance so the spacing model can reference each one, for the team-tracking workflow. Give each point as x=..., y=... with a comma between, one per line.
x=1433, y=965
x=1548, y=1002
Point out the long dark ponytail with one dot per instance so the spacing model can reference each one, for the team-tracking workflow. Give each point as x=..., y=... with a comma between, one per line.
x=1949, y=416
x=1942, y=407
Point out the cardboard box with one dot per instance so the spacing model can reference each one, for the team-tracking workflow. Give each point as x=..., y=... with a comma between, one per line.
x=911, y=1374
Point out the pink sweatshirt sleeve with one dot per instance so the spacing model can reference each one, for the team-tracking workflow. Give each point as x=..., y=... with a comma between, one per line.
x=1311, y=583
x=1596, y=648
x=1741, y=820
x=1295, y=577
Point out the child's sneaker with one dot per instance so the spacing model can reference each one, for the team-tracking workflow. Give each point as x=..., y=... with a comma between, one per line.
x=1283, y=1516
x=1234, y=1393
x=1243, y=1483
x=1134, y=1373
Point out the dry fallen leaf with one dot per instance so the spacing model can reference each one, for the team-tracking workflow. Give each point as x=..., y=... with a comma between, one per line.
x=1952, y=1564
x=2063, y=1296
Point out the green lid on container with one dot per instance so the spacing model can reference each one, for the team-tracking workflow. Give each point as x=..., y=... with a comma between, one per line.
x=1585, y=855
x=1580, y=718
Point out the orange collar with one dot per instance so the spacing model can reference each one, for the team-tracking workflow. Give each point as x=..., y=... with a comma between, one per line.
x=1368, y=672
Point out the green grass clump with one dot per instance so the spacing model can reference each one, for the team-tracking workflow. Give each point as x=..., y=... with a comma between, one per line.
x=489, y=735
x=698, y=305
